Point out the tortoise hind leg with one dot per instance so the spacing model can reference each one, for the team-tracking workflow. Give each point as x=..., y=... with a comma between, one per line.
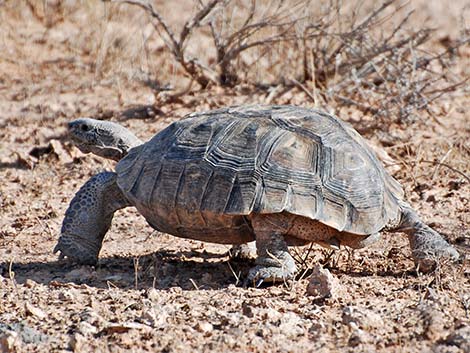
x=273, y=263
x=427, y=245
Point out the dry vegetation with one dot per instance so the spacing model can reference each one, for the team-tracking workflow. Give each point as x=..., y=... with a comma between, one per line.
x=396, y=71
x=371, y=58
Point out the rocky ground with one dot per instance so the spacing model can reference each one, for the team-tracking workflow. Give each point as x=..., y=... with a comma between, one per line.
x=154, y=292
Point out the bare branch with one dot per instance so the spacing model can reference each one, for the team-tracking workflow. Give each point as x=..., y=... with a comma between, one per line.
x=149, y=9
x=196, y=20
x=191, y=66
x=375, y=62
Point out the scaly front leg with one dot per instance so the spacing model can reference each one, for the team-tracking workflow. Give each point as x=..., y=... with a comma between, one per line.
x=89, y=217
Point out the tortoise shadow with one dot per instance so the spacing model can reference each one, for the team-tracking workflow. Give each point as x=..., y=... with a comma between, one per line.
x=189, y=270
x=163, y=269
x=361, y=273
x=400, y=273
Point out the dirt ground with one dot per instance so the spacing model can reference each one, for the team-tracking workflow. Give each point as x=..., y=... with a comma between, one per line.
x=154, y=292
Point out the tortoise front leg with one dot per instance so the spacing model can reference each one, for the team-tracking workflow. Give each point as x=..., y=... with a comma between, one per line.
x=89, y=217
x=274, y=262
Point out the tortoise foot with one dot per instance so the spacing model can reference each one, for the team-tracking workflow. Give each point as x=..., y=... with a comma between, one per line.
x=75, y=251
x=429, y=248
x=269, y=274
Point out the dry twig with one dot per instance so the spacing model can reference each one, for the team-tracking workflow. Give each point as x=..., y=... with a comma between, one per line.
x=363, y=60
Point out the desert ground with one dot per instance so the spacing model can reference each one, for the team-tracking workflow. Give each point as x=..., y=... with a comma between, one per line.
x=151, y=292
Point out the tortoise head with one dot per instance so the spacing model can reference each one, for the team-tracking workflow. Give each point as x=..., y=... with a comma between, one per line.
x=103, y=138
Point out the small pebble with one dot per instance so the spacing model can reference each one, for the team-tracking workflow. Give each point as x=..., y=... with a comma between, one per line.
x=34, y=311
x=323, y=284
x=204, y=327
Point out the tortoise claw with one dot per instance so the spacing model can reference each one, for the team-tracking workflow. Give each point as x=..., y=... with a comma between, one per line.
x=260, y=275
x=259, y=283
x=74, y=252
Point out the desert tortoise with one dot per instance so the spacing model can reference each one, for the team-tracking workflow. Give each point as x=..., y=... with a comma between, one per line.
x=280, y=175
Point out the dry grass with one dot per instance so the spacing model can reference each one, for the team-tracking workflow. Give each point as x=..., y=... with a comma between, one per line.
x=371, y=57
x=339, y=53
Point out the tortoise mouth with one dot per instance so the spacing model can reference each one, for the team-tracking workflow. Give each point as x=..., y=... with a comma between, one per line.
x=83, y=146
x=75, y=138
x=102, y=151
x=84, y=149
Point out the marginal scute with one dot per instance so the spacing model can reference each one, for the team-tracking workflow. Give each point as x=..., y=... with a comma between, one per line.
x=214, y=168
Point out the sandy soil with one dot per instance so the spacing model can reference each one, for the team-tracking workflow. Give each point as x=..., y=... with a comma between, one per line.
x=154, y=292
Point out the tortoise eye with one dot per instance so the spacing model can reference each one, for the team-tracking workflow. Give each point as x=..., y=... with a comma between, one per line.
x=84, y=127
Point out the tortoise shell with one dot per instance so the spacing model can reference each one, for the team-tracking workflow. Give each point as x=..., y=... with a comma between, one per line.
x=207, y=172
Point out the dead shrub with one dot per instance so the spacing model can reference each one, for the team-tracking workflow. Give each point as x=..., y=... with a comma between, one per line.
x=339, y=52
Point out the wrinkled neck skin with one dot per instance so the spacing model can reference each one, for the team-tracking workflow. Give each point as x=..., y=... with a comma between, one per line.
x=116, y=148
x=125, y=142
